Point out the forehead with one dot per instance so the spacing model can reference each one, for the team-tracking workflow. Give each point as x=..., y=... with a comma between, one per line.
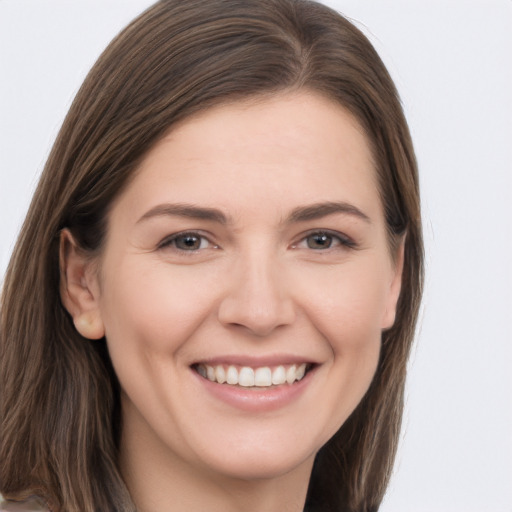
x=291, y=120
x=273, y=151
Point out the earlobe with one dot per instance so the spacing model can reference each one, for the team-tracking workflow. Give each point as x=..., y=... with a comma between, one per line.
x=395, y=287
x=79, y=288
x=89, y=325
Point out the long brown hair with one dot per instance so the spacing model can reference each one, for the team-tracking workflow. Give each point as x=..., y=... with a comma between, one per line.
x=60, y=416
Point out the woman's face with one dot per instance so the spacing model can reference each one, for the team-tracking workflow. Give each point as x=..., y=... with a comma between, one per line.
x=251, y=246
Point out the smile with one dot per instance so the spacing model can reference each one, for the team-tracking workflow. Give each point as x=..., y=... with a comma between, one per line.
x=248, y=377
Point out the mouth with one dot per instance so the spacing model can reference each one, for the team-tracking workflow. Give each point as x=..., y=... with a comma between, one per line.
x=253, y=377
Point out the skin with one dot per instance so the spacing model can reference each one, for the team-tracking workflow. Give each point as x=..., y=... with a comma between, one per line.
x=258, y=285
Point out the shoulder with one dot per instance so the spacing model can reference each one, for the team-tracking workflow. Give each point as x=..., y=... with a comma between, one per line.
x=32, y=505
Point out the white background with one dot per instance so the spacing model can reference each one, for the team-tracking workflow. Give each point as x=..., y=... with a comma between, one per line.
x=452, y=62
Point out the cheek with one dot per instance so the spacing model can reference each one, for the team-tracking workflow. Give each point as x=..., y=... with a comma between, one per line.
x=347, y=305
x=157, y=306
x=353, y=336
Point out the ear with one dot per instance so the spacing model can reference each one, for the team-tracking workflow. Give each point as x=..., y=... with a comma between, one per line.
x=395, y=286
x=79, y=288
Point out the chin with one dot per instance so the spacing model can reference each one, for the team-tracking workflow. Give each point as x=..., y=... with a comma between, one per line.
x=262, y=467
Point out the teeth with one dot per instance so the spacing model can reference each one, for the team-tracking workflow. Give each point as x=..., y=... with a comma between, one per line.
x=291, y=373
x=279, y=376
x=246, y=377
x=220, y=374
x=210, y=373
x=232, y=375
x=249, y=377
x=263, y=377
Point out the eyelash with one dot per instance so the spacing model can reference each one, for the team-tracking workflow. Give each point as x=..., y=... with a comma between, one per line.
x=170, y=242
x=339, y=240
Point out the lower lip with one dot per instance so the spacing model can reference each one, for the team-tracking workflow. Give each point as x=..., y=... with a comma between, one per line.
x=256, y=399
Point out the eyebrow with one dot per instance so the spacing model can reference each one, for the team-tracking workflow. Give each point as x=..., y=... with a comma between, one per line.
x=299, y=214
x=185, y=210
x=320, y=210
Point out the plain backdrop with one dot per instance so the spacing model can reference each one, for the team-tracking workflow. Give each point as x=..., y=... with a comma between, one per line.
x=452, y=63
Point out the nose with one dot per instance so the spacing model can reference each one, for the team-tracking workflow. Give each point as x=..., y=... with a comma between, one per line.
x=258, y=299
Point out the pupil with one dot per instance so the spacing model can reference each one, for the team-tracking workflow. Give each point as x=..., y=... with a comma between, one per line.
x=188, y=242
x=321, y=241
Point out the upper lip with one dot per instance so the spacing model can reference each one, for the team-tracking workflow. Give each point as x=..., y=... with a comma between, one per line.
x=255, y=361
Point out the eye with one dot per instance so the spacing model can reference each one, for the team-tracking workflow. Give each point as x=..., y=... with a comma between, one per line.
x=323, y=240
x=319, y=241
x=189, y=241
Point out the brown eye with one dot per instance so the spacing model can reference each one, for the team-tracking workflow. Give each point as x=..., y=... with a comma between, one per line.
x=319, y=241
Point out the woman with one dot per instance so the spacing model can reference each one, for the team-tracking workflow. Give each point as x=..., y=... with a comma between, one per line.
x=213, y=297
